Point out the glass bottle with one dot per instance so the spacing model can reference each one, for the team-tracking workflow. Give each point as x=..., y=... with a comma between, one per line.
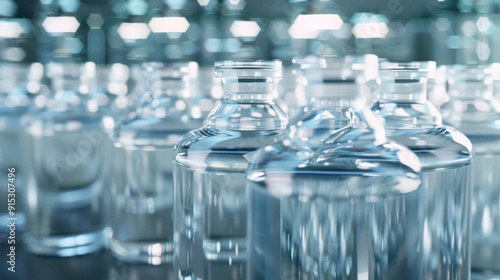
x=474, y=111
x=64, y=215
x=445, y=154
x=334, y=212
x=143, y=193
x=19, y=86
x=210, y=165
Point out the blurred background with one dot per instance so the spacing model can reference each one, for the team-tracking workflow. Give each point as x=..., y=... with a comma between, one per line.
x=132, y=31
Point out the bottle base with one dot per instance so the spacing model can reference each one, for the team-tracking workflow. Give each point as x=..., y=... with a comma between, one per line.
x=66, y=245
x=152, y=253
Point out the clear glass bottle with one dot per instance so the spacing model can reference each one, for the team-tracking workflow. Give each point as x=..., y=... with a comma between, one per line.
x=143, y=192
x=334, y=212
x=210, y=165
x=64, y=212
x=445, y=154
x=474, y=111
x=19, y=86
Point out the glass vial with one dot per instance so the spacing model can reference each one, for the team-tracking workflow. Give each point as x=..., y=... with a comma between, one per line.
x=475, y=112
x=210, y=165
x=335, y=213
x=19, y=86
x=64, y=215
x=445, y=154
x=143, y=192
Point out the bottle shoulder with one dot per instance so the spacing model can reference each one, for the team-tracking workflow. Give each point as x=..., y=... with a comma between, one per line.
x=339, y=171
x=247, y=116
x=407, y=114
x=146, y=130
x=208, y=147
x=208, y=138
x=437, y=146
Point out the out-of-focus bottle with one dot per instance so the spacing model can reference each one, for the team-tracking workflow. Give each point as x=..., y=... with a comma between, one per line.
x=443, y=200
x=474, y=111
x=67, y=165
x=336, y=212
x=142, y=217
x=110, y=93
x=210, y=166
x=19, y=86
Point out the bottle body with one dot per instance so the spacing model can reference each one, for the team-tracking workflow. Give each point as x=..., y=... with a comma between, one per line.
x=475, y=111
x=16, y=102
x=443, y=200
x=211, y=217
x=143, y=193
x=339, y=215
x=64, y=212
x=485, y=195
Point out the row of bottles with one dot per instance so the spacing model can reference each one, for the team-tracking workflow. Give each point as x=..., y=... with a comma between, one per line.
x=345, y=188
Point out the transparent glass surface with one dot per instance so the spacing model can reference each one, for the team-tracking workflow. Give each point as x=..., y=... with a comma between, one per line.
x=210, y=165
x=64, y=215
x=331, y=86
x=336, y=211
x=143, y=192
x=19, y=85
x=475, y=112
x=443, y=201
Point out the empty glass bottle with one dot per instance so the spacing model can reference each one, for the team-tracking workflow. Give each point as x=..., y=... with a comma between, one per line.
x=335, y=212
x=64, y=215
x=443, y=200
x=19, y=86
x=210, y=166
x=143, y=193
x=475, y=112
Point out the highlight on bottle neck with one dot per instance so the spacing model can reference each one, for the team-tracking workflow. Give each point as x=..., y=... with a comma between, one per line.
x=405, y=81
x=252, y=81
x=336, y=78
x=470, y=82
x=171, y=79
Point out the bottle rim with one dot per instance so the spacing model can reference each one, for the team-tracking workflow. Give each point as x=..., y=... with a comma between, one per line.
x=172, y=70
x=407, y=70
x=339, y=67
x=255, y=69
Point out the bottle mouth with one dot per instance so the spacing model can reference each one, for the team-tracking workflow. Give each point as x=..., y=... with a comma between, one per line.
x=249, y=70
x=407, y=72
x=175, y=70
x=336, y=68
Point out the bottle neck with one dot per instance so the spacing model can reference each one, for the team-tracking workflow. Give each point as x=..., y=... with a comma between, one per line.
x=334, y=96
x=403, y=92
x=247, y=106
x=249, y=90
